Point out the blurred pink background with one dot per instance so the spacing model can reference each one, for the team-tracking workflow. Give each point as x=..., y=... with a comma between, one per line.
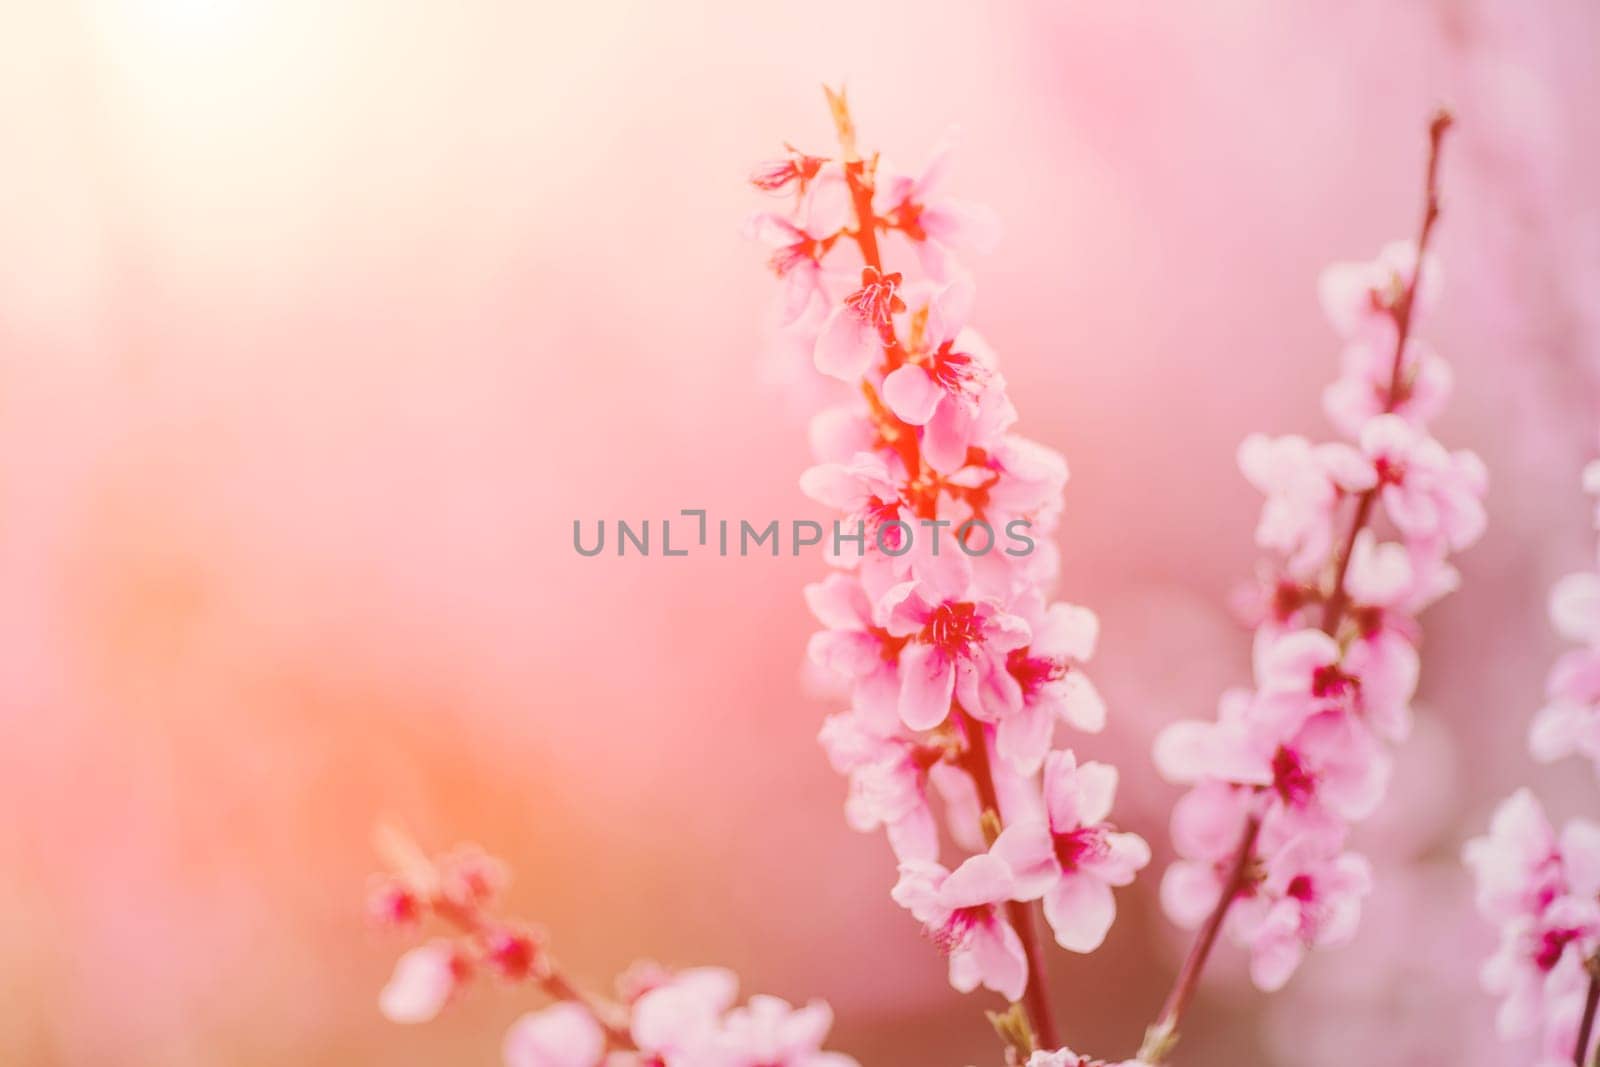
x=321, y=322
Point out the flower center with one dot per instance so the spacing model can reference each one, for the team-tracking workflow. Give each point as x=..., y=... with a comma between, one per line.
x=907, y=218
x=953, y=933
x=1033, y=673
x=1290, y=778
x=791, y=257
x=1389, y=471
x=876, y=302
x=1331, y=683
x=1087, y=843
x=956, y=372
x=953, y=629
x=1551, y=945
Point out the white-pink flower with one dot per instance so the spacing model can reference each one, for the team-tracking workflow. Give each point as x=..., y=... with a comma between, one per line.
x=936, y=225
x=769, y=1032
x=857, y=330
x=1303, y=484
x=1361, y=392
x=888, y=783
x=1309, y=896
x=1427, y=492
x=1049, y=673
x=1361, y=298
x=562, y=1035
x=679, y=1022
x=957, y=649
x=799, y=245
x=424, y=980
x=1074, y=857
x=951, y=389
x=961, y=912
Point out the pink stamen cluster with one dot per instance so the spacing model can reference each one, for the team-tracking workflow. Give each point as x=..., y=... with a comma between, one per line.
x=957, y=666
x=659, y=1018
x=1541, y=889
x=1291, y=763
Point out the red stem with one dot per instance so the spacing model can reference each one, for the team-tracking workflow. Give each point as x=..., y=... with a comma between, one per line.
x=1035, y=997
x=1339, y=598
x=1160, y=1038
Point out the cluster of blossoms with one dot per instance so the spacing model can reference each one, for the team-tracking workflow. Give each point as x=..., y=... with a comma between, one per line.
x=956, y=665
x=1541, y=889
x=958, y=668
x=659, y=1018
x=1289, y=764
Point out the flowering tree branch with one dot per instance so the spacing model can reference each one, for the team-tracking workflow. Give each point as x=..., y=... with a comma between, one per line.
x=1291, y=764
x=1333, y=609
x=1538, y=887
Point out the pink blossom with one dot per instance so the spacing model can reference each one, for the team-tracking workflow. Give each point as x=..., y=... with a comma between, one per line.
x=562, y=1035
x=1569, y=722
x=769, y=1032
x=1518, y=864
x=1361, y=392
x=424, y=980
x=857, y=330
x=1361, y=298
x=853, y=647
x=1427, y=492
x=1542, y=890
x=1074, y=857
x=1303, y=483
x=799, y=246
x=950, y=387
x=679, y=1021
x=956, y=649
x=1048, y=671
x=961, y=912
x=776, y=175
x=888, y=784
x=1065, y=1057
x=1305, y=671
x=1325, y=758
x=936, y=225
x=1575, y=607
x=1309, y=896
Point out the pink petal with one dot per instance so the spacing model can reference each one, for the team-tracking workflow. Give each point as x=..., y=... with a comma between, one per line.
x=423, y=980
x=1097, y=788
x=1575, y=607
x=1189, y=891
x=912, y=394
x=982, y=879
x=1028, y=850
x=562, y=1035
x=847, y=346
x=949, y=311
x=998, y=953
x=927, y=682
x=946, y=437
x=1080, y=909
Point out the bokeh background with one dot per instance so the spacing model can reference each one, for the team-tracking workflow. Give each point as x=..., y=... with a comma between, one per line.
x=321, y=321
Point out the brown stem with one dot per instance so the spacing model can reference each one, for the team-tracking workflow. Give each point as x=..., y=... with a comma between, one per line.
x=1036, y=996
x=1161, y=1037
x=1590, y=1002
